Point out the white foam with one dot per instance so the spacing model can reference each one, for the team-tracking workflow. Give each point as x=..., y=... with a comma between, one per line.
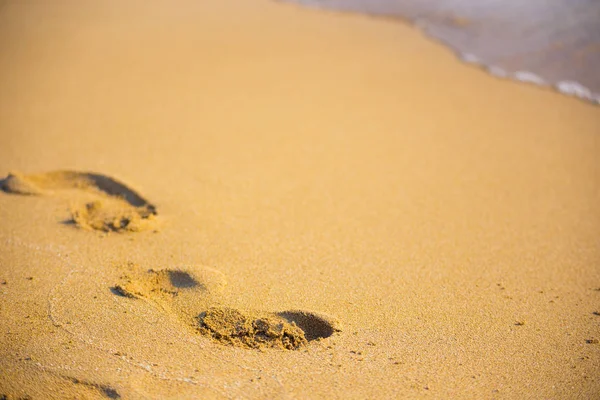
x=529, y=77
x=570, y=88
x=576, y=89
x=497, y=71
x=470, y=58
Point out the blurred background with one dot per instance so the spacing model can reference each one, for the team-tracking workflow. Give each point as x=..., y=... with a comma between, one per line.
x=546, y=42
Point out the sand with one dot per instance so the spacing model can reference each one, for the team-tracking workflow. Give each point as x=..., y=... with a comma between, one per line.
x=337, y=208
x=544, y=42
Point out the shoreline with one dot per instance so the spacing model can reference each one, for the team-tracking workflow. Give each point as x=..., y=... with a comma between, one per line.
x=569, y=87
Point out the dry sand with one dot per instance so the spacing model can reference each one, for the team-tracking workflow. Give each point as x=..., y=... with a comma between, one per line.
x=335, y=208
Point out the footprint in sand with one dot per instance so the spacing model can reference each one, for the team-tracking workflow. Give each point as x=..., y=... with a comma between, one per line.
x=195, y=301
x=120, y=209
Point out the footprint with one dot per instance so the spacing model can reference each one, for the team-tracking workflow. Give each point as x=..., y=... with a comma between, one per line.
x=184, y=293
x=288, y=330
x=173, y=290
x=122, y=209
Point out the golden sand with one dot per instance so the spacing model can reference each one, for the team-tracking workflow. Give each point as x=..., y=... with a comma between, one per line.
x=431, y=231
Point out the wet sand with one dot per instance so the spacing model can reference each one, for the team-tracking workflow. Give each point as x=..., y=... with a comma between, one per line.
x=552, y=43
x=332, y=205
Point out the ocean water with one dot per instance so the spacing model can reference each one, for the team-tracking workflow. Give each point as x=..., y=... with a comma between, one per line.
x=545, y=42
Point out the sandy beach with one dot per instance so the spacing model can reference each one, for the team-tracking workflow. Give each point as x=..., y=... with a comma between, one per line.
x=251, y=199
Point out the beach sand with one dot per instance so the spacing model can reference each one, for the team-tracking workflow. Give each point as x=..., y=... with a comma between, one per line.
x=266, y=201
x=544, y=42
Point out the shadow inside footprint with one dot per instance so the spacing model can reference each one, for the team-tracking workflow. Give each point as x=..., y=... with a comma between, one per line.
x=182, y=280
x=112, y=187
x=315, y=326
